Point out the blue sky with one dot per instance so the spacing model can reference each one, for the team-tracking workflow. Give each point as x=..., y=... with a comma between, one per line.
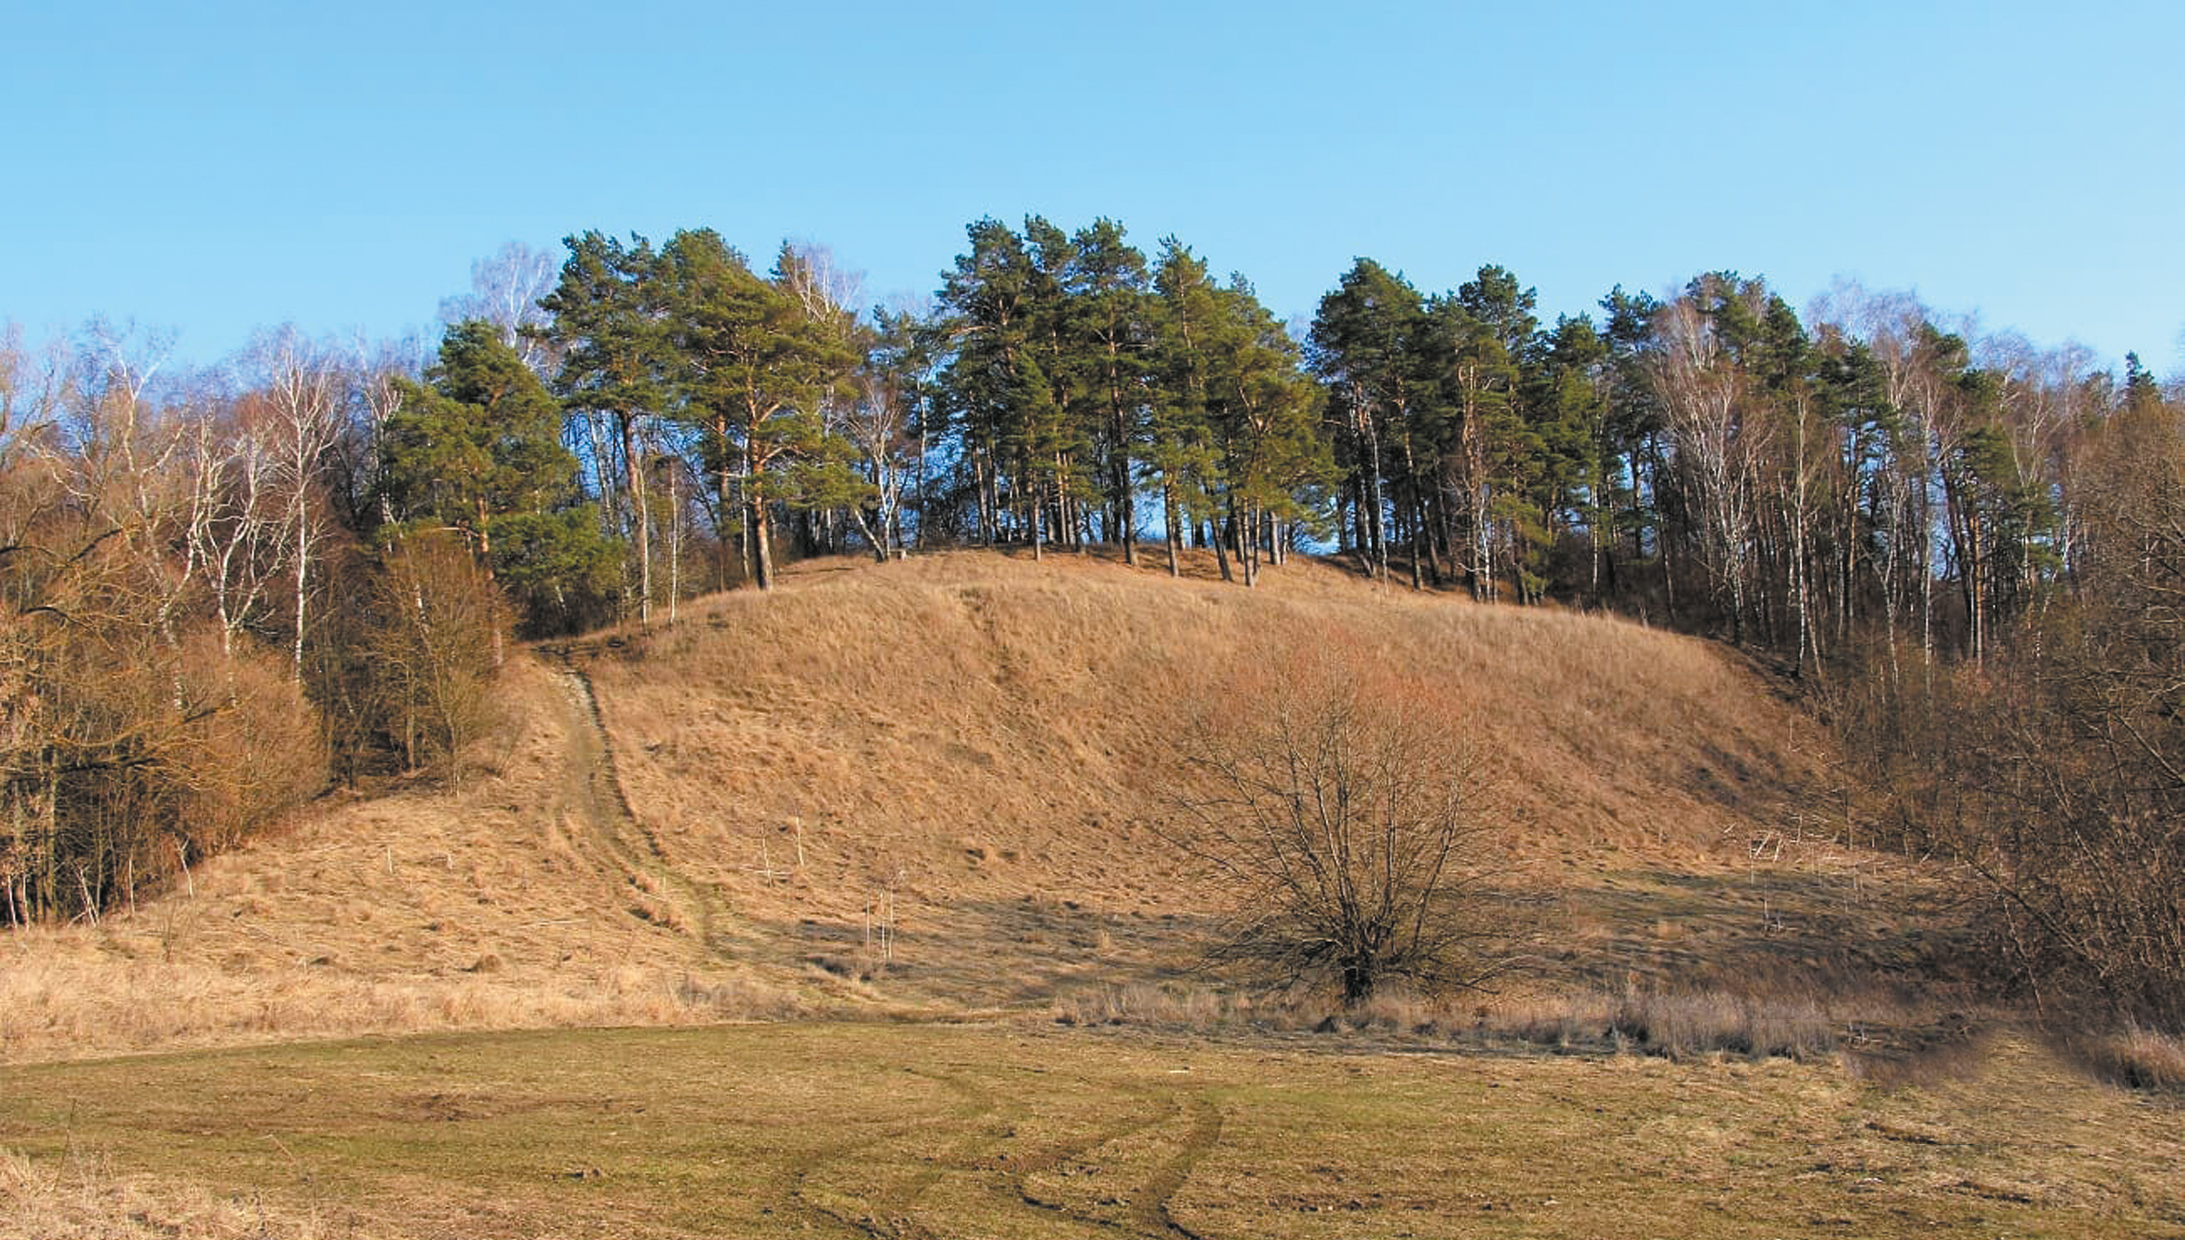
x=218, y=167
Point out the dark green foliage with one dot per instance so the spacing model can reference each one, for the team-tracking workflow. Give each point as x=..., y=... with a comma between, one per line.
x=1006, y=386
x=1467, y=437
x=557, y=568
x=1368, y=348
x=607, y=324
x=1109, y=331
x=753, y=367
x=1181, y=459
x=1075, y=380
x=605, y=315
x=476, y=449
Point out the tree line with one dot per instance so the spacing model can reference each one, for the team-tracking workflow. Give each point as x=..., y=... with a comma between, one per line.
x=346, y=535
x=1709, y=460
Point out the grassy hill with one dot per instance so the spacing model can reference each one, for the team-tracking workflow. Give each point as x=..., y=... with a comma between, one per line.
x=718, y=819
x=935, y=786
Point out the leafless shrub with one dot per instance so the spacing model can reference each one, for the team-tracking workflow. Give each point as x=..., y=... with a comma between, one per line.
x=1343, y=809
x=432, y=653
x=254, y=758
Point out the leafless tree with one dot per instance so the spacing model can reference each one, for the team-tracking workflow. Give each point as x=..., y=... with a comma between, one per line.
x=505, y=290
x=827, y=290
x=131, y=729
x=303, y=386
x=877, y=420
x=231, y=530
x=1349, y=823
x=1706, y=403
x=370, y=396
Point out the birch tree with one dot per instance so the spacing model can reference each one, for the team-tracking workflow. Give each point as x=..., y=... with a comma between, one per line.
x=302, y=385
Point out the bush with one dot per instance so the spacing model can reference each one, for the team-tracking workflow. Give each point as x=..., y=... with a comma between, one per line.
x=128, y=761
x=1342, y=809
x=405, y=673
x=256, y=757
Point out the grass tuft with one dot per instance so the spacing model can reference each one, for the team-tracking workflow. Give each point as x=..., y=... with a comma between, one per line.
x=2133, y=1057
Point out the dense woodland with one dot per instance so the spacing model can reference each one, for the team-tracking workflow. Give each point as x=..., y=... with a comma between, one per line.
x=1968, y=551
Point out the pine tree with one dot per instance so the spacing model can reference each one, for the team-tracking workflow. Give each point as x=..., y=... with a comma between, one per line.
x=750, y=365
x=1182, y=458
x=1263, y=410
x=608, y=325
x=1000, y=321
x=476, y=448
x=1364, y=347
x=1107, y=336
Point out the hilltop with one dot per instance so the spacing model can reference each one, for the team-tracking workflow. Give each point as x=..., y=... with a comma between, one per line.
x=936, y=787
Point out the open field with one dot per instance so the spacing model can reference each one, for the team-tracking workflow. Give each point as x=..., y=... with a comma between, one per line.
x=859, y=1129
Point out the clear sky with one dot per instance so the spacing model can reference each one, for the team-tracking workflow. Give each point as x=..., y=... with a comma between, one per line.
x=222, y=166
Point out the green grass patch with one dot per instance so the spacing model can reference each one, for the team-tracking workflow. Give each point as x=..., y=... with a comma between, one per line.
x=876, y=1130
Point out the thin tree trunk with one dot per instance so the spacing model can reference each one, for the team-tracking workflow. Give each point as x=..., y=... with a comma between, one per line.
x=1038, y=535
x=634, y=489
x=1173, y=536
x=758, y=519
x=303, y=564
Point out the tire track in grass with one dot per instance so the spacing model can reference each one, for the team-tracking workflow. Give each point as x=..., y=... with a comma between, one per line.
x=1159, y=1214
x=996, y=1175
x=890, y=1214
x=1016, y=1185
x=1000, y=1177
x=1148, y=1210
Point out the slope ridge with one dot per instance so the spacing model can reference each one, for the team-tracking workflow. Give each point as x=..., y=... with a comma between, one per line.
x=982, y=745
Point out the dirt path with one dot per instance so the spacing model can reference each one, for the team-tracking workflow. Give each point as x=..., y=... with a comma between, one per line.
x=662, y=892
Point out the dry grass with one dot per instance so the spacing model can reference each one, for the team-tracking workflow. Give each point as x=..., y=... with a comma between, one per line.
x=1688, y=1023
x=2133, y=1057
x=936, y=783
x=976, y=738
x=498, y=907
x=82, y=1199
x=55, y=1006
x=1892, y=1039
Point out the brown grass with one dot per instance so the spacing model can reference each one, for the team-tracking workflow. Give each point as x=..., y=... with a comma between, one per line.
x=935, y=784
x=2133, y=1057
x=978, y=738
x=497, y=907
x=84, y=1199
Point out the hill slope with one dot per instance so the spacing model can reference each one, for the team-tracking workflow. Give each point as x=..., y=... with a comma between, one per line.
x=966, y=754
